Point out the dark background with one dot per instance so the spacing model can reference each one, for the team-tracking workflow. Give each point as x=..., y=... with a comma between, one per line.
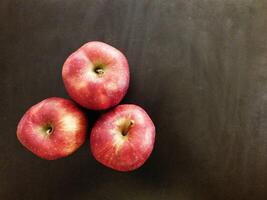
x=199, y=68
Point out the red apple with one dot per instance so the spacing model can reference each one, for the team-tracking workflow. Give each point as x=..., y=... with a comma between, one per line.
x=53, y=128
x=96, y=76
x=123, y=138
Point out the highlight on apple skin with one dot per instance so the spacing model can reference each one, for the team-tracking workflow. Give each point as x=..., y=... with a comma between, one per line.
x=53, y=128
x=123, y=138
x=96, y=76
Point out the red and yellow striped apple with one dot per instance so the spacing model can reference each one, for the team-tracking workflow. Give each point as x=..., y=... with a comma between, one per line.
x=53, y=128
x=123, y=138
x=96, y=76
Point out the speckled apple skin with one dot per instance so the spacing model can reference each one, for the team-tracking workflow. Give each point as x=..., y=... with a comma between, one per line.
x=123, y=153
x=89, y=89
x=69, y=128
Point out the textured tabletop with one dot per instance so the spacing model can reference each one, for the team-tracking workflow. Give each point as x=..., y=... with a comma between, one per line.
x=198, y=67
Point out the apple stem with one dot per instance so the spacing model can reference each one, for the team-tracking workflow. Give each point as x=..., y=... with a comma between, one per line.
x=128, y=125
x=99, y=71
x=49, y=130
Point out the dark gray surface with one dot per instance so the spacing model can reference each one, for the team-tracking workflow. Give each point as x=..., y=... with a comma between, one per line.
x=199, y=67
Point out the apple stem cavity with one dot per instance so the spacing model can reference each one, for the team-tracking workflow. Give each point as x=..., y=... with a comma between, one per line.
x=127, y=126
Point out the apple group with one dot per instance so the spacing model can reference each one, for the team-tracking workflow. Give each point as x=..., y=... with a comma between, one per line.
x=96, y=77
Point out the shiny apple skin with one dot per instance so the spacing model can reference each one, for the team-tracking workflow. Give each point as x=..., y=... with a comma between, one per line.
x=123, y=153
x=89, y=89
x=68, y=126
